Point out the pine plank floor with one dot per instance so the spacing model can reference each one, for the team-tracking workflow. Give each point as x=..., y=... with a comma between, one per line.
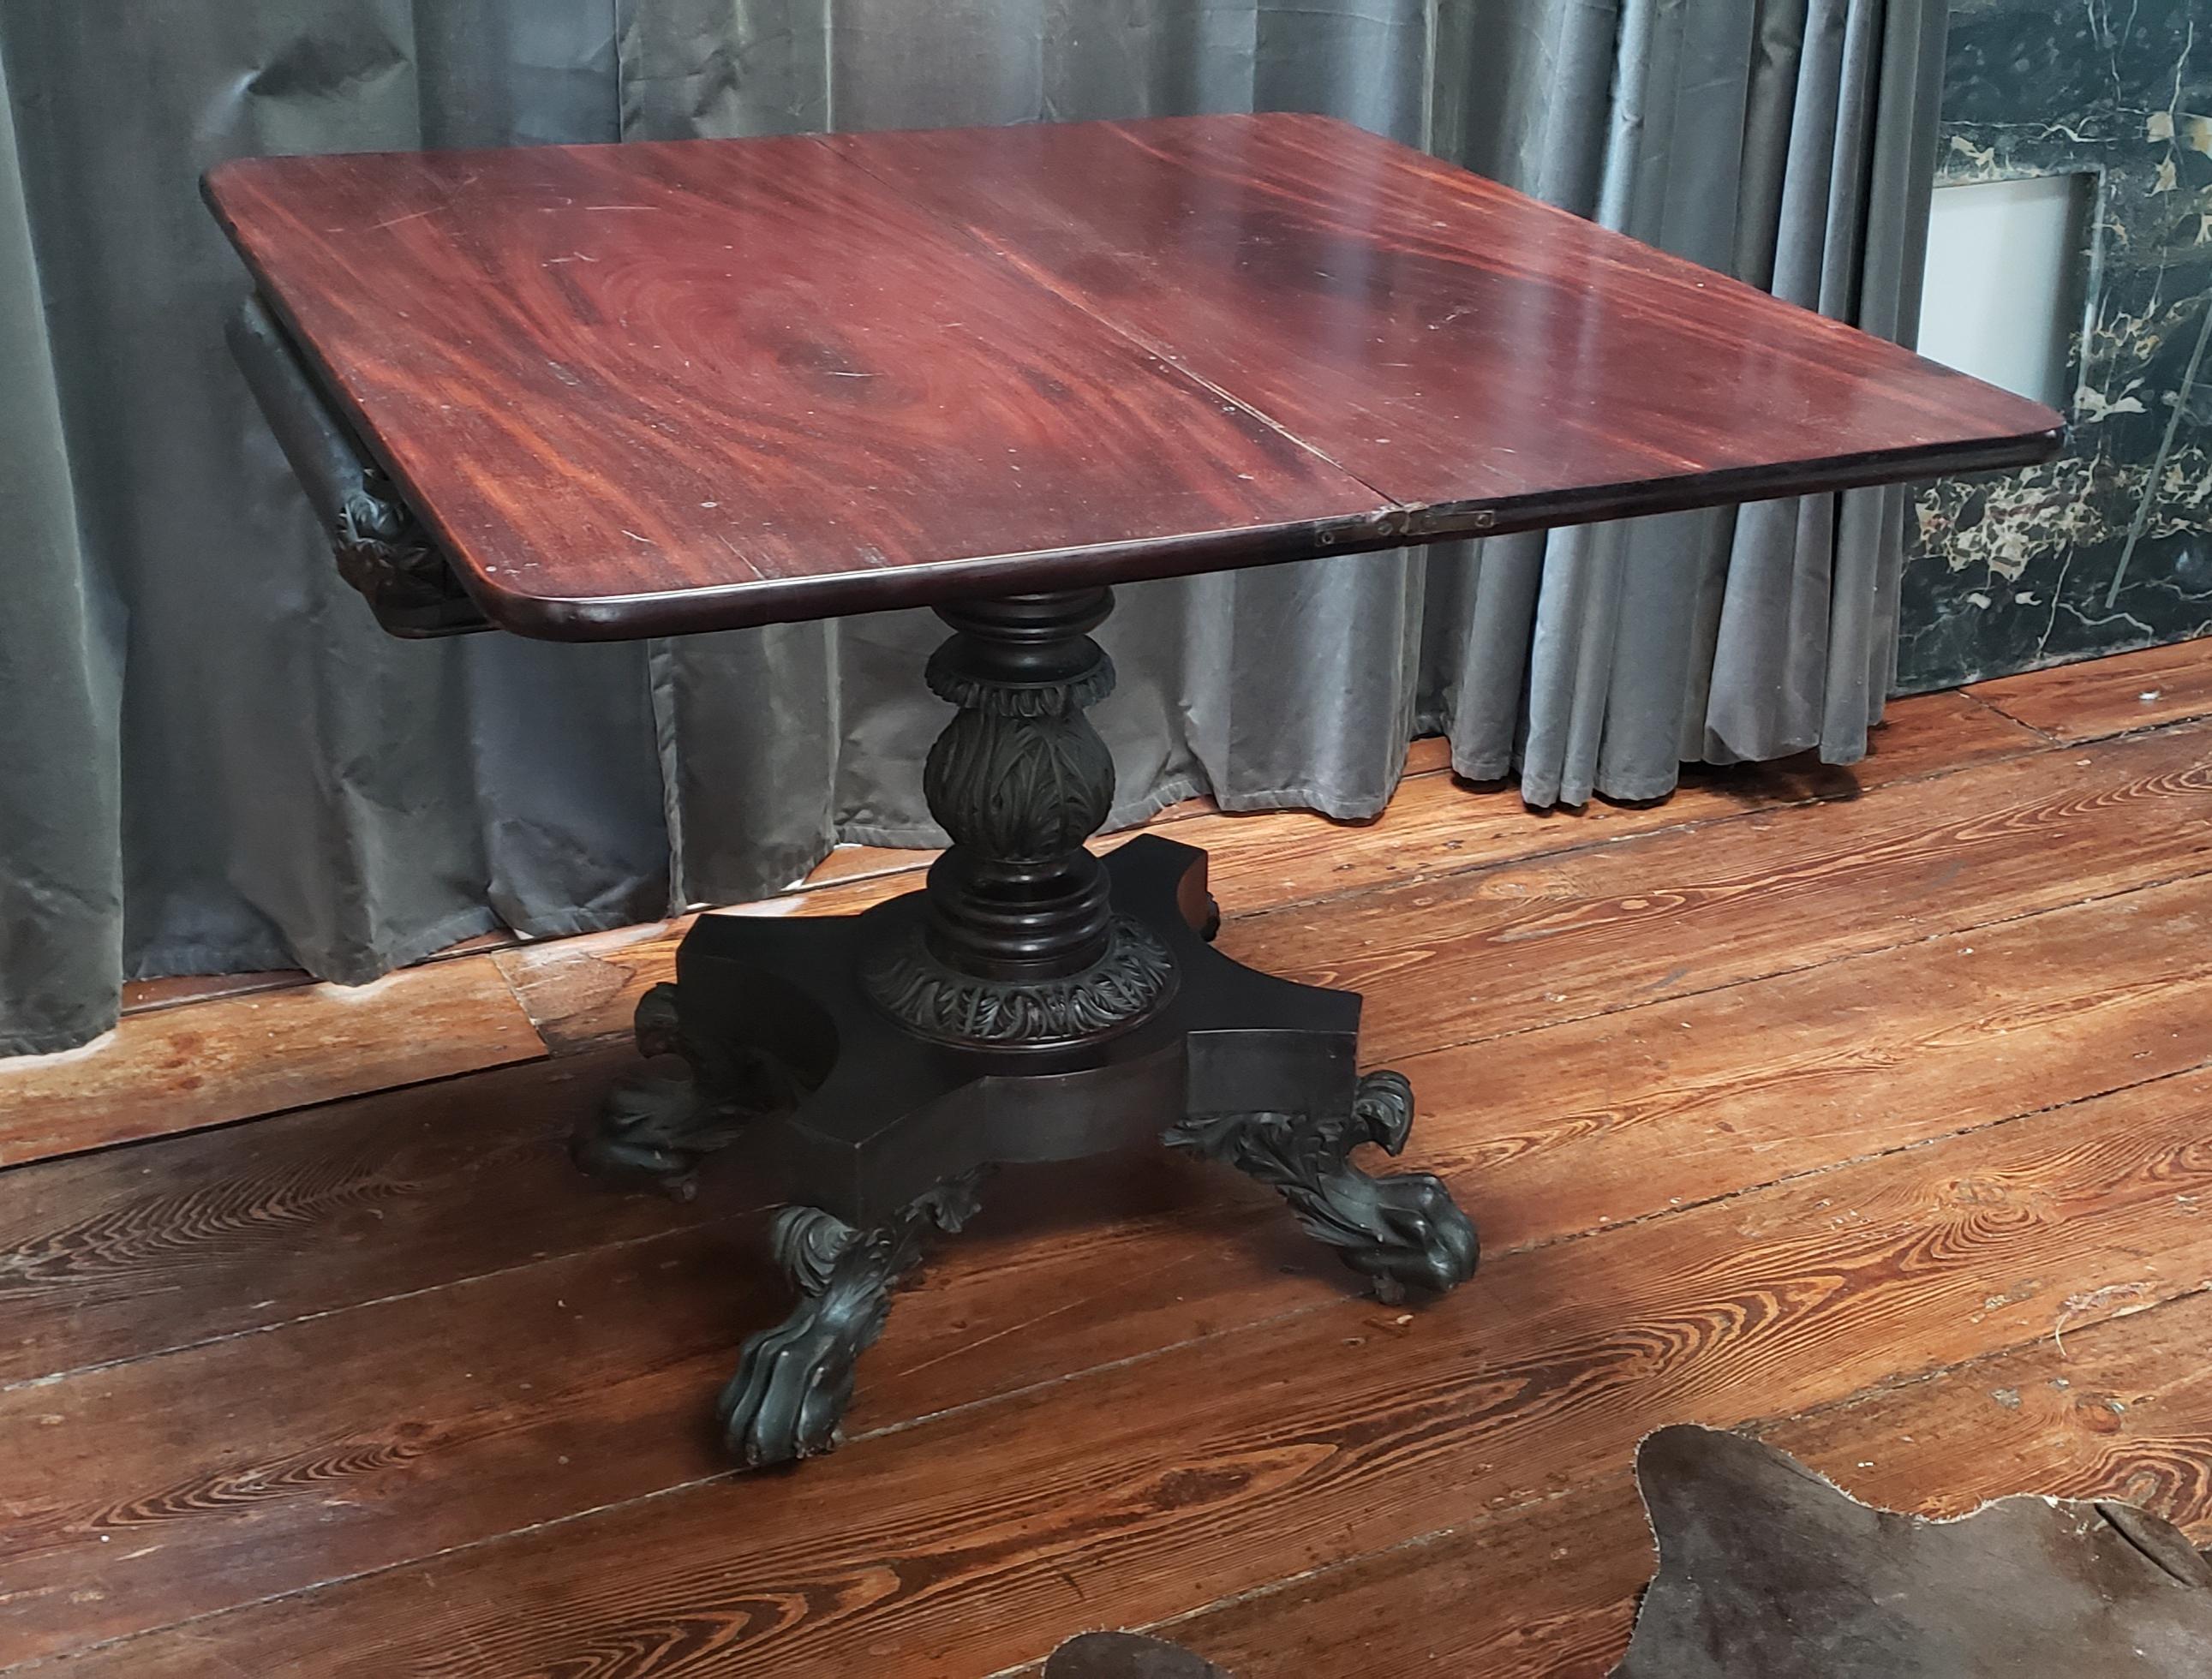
x=1870, y=1109
x=241, y=1053
x=2104, y=696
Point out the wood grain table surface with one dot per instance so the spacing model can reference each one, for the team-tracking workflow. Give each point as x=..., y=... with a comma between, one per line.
x=658, y=387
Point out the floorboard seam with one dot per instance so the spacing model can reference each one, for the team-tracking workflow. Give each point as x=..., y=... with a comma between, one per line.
x=2122, y=732
x=1992, y=707
x=531, y=1057
x=1760, y=979
x=729, y=1221
x=2101, y=735
x=1808, y=1173
x=1685, y=825
x=1757, y=1425
x=626, y=1504
x=540, y=1059
x=1754, y=1425
x=1409, y=1057
x=726, y=1221
x=1903, y=1381
x=1414, y=1542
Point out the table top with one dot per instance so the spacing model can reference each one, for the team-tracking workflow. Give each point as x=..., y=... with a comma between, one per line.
x=658, y=387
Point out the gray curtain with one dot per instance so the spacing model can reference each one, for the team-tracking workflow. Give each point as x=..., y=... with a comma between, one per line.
x=213, y=760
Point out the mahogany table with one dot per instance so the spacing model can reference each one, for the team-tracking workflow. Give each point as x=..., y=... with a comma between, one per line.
x=600, y=392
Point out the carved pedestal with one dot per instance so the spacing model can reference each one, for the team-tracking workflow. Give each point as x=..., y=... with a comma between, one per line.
x=1032, y=1003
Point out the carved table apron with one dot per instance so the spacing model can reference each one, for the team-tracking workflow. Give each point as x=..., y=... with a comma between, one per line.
x=1201, y=344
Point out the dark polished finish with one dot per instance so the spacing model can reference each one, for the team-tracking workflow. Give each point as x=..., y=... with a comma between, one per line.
x=381, y=547
x=795, y=1381
x=1019, y=944
x=887, y=1113
x=1030, y=1004
x=1257, y=1071
x=1403, y=1230
x=1486, y=361
x=658, y=387
x=914, y=985
x=652, y=388
x=384, y=554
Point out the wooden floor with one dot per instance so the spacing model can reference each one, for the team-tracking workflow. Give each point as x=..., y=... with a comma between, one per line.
x=1869, y=1111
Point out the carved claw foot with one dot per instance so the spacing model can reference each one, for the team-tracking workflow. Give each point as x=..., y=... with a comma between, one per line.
x=795, y=1381
x=657, y=1125
x=1402, y=1230
x=653, y=1132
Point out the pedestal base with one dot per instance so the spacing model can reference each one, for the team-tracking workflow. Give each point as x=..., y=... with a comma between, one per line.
x=879, y=1132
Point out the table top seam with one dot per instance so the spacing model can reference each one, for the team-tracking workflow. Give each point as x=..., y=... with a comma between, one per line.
x=1127, y=333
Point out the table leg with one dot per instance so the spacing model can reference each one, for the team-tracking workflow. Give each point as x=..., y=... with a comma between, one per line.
x=795, y=1381
x=1019, y=944
x=1032, y=1003
x=1400, y=1229
x=661, y=1123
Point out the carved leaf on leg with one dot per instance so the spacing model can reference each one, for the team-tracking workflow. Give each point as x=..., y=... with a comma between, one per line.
x=795, y=1381
x=910, y=983
x=1017, y=786
x=1402, y=1230
x=387, y=555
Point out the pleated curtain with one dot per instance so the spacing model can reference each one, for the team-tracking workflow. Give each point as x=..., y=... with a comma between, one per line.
x=213, y=760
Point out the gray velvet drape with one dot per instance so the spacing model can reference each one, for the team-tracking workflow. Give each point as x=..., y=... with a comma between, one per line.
x=212, y=759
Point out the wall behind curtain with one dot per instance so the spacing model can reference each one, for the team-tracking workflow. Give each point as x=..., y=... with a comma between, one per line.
x=232, y=769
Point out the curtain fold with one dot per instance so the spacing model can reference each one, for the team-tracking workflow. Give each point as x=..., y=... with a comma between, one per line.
x=295, y=788
x=229, y=767
x=61, y=887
